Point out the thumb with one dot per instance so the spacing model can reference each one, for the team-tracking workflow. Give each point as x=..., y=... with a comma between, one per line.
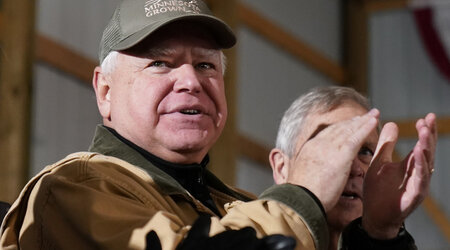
x=386, y=145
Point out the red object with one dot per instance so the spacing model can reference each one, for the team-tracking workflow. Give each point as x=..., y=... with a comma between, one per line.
x=431, y=40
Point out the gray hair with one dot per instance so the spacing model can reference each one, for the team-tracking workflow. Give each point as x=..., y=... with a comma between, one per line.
x=109, y=63
x=321, y=100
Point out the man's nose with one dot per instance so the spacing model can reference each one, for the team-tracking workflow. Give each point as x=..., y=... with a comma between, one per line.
x=357, y=169
x=187, y=80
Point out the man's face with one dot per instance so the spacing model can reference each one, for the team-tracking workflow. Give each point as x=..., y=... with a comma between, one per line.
x=349, y=206
x=167, y=94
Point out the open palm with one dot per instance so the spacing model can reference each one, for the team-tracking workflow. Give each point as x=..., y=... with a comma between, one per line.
x=392, y=190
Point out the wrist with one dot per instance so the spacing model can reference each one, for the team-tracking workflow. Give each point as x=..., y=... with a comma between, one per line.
x=385, y=232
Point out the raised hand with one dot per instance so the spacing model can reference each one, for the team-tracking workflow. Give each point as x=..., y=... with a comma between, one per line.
x=324, y=162
x=392, y=190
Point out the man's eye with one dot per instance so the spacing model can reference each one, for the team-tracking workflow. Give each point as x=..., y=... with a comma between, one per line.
x=205, y=65
x=158, y=64
x=365, y=155
x=365, y=151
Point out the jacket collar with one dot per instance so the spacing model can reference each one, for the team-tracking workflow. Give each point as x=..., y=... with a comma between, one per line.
x=106, y=143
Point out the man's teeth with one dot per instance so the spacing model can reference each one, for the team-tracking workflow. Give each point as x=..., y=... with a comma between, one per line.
x=349, y=196
x=190, y=111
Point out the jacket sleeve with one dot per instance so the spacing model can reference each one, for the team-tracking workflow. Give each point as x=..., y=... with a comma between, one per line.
x=354, y=237
x=90, y=204
x=293, y=214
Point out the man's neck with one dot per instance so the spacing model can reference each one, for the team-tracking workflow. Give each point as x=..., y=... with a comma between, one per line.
x=334, y=238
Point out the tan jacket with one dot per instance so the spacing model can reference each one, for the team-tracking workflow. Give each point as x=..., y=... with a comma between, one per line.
x=94, y=201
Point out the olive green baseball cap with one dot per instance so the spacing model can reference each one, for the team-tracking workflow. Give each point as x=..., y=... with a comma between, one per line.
x=134, y=20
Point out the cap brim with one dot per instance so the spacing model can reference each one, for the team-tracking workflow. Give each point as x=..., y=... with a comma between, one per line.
x=222, y=33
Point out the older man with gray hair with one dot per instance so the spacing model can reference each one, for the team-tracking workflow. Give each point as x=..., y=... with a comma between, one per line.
x=310, y=117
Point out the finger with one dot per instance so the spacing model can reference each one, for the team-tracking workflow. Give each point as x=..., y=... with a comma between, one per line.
x=361, y=126
x=430, y=119
x=354, y=130
x=426, y=145
x=420, y=171
x=386, y=144
x=358, y=131
x=374, y=113
x=419, y=151
x=357, y=122
x=420, y=123
x=417, y=180
x=430, y=122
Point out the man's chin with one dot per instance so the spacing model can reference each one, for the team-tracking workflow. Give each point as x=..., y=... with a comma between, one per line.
x=190, y=146
x=350, y=207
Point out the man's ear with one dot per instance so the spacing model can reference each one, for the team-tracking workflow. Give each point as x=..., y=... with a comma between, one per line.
x=102, y=88
x=280, y=165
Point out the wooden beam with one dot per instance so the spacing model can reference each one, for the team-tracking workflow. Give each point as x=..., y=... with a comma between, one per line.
x=254, y=151
x=16, y=61
x=224, y=153
x=408, y=127
x=356, y=42
x=64, y=59
x=437, y=215
x=291, y=44
x=384, y=5
x=2, y=22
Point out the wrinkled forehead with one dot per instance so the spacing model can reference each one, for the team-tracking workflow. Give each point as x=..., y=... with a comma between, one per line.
x=319, y=118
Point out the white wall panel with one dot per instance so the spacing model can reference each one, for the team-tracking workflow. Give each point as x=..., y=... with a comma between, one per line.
x=252, y=177
x=406, y=85
x=317, y=22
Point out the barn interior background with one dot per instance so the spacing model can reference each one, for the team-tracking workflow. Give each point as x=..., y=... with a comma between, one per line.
x=394, y=51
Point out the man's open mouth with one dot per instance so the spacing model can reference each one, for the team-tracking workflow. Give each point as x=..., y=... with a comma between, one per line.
x=350, y=195
x=190, y=111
